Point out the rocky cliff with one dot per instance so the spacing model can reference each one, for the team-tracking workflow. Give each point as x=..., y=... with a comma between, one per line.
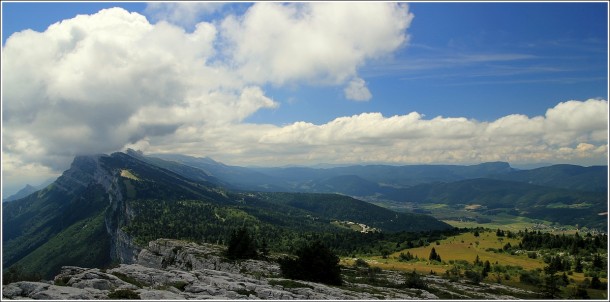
x=172, y=269
x=86, y=171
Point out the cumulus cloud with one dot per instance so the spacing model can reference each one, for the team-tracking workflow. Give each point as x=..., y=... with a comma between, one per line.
x=95, y=83
x=100, y=82
x=410, y=138
x=356, y=90
x=316, y=42
x=103, y=82
x=185, y=14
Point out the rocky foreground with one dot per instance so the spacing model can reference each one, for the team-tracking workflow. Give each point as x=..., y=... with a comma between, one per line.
x=173, y=269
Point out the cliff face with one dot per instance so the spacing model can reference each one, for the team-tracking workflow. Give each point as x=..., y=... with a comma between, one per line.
x=118, y=214
x=173, y=269
x=83, y=171
x=92, y=170
x=83, y=202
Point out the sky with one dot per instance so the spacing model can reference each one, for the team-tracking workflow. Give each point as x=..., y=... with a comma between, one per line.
x=273, y=84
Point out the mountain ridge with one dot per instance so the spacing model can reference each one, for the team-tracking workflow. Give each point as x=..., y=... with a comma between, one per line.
x=109, y=203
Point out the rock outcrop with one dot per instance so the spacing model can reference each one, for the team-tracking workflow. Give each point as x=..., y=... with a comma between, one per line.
x=173, y=269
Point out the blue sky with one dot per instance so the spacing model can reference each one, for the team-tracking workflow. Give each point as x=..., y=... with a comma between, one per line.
x=485, y=61
x=457, y=70
x=523, y=57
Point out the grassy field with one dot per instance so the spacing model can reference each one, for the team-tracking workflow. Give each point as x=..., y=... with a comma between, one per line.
x=467, y=247
x=462, y=247
x=472, y=216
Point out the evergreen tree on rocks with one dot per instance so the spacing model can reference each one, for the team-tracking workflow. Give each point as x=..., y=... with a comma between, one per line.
x=241, y=245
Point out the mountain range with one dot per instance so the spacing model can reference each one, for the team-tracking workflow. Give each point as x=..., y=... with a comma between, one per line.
x=565, y=194
x=105, y=208
x=563, y=176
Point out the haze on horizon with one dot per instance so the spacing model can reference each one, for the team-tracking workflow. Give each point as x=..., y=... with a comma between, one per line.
x=272, y=84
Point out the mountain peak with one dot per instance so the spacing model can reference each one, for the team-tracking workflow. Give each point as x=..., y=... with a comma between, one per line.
x=25, y=191
x=134, y=153
x=83, y=171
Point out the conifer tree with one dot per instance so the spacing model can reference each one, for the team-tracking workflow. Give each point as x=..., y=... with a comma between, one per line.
x=241, y=245
x=434, y=256
x=315, y=262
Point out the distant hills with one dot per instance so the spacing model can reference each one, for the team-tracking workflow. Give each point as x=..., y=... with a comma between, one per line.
x=564, y=206
x=298, y=179
x=566, y=194
x=591, y=179
x=27, y=190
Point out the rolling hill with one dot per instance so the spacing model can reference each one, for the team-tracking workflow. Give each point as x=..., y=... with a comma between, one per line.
x=565, y=194
x=594, y=178
x=563, y=206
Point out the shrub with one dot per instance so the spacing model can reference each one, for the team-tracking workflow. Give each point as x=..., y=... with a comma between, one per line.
x=245, y=292
x=63, y=281
x=415, y=280
x=181, y=285
x=405, y=257
x=124, y=294
x=529, y=277
x=595, y=283
x=314, y=262
x=16, y=273
x=128, y=279
x=241, y=245
x=361, y=263
x=473, y=276
x=579, y=292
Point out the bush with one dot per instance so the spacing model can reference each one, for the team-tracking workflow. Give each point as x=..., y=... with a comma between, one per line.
x=595, y=283
x=405, y=257
x=63, y=281
x=473, y=276
x=181, y=285
x=579, y=293
x=16, y=273
x=371, y=273
x=124, y=294
x=360, y=263
x=128, y=279
x=529, y=277
x=241, y=245
x=315, y=263
x=415, y=280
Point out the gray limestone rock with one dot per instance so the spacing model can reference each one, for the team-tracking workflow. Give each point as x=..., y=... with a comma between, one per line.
x=178, y=270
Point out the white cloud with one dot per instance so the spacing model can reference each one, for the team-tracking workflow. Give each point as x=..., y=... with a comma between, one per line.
x=16, y=174
x=100, y=82
x=97, y=83
x=111, y=80
x=316, y=42
x=356, y=90
x=185, y=14
x=410, y=138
